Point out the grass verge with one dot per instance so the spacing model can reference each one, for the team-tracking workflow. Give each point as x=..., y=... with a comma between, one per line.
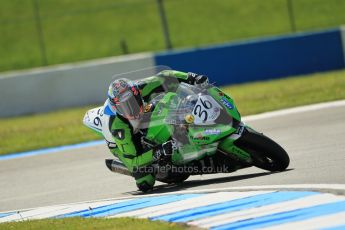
x=92, y=223
x=65, y=127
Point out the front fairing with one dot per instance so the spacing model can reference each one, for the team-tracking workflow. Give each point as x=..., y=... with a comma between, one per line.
x=194, y=119
x=227, y=102
x=203, y=118
x=99, y=121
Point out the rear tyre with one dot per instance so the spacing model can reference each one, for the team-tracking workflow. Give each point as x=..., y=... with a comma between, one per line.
x=266, y=153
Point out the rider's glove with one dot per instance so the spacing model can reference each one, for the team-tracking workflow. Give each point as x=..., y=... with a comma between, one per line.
x=162, y=153
x=199, y=80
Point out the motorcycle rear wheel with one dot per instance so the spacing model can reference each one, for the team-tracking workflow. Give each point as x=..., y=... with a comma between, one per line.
x=265, y=152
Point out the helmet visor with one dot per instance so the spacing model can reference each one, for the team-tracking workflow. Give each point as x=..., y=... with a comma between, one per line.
x=129, y=106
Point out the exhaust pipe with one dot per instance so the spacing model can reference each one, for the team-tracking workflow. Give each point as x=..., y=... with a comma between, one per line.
x=117, y=167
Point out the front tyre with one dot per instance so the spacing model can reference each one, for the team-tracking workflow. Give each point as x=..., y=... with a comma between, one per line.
x=266, y=153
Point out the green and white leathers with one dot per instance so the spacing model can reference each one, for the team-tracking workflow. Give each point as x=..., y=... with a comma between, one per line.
x=203, y=122
x=128, y=138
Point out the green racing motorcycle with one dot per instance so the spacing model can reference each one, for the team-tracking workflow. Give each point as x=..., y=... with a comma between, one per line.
x=207, y=129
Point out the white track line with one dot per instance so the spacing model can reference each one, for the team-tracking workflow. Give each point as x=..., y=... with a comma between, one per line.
x=273, y=187
x=327, y=221
x=299, y=109
x=208, y=199
x=266, y=210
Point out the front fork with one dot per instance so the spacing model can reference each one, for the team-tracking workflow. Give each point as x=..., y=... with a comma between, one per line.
x=228, y=147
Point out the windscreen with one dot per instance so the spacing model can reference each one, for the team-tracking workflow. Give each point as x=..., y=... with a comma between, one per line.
x=194, y=106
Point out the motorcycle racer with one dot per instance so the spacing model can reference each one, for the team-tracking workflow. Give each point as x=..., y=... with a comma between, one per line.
x=128, y=103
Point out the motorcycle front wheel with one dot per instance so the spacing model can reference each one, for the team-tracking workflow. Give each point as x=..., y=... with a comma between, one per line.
x=266, y=153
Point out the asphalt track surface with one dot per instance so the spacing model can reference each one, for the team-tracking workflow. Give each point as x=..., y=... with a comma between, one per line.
x=314, y=140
